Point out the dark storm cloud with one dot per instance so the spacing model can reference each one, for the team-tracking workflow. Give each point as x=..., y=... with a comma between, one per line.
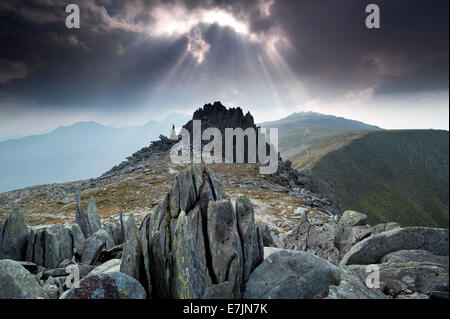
x=111, y=60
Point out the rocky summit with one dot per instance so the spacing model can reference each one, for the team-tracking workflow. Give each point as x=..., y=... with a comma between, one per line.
x=150, y=228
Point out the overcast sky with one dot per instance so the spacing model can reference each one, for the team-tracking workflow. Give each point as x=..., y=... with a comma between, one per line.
x=135, y=61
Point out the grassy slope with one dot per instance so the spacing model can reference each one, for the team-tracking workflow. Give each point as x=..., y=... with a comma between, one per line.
x=397, y=176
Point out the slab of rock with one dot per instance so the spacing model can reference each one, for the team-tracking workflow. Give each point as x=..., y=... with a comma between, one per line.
x=77, y=239
x=132, y=252
x=18, y=283
x=252, y=243
x=14, y=237
x=89, y=221
x=372, y=249
x=115, y=285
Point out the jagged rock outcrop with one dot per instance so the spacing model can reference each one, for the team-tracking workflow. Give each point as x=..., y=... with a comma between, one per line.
x=94, y=246
x=14, y=237
x=89, y=221
x=114, y=285
x=18, y=283
x=194, y=244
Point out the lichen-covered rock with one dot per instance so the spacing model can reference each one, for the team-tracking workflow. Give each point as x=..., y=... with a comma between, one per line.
x=372, y=249
x=106, y=267
x=114, y=285
x=14, y=237
x=190, y=273
x=352, y=218
x=191, y=243
x=270, y=236
x=132, y=252
x=18, y=283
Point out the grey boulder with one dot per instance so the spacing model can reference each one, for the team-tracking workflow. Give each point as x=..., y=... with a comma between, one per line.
x=18, y=283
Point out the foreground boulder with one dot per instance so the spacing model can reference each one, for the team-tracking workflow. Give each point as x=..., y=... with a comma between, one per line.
x=14, y=237
x=195, y=245
x=17, y=283
x=372, y=249
x=114, y=285
x=289, y=274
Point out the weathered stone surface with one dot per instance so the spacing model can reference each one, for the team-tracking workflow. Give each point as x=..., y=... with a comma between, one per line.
x=94, y=246
x=144, y=229
x=420, y=277
x=132, y=253
x=313, y=239
x=252, y=243
x=352, y=218
x=18, y=283
x=372, y=249
x=348, y=236
x=190, y=272
x=14, y=237
x=414, y=255
x=115, y=285
x=29, y=255
x=66, y=247
x=92, y=216
x=89, y=221
x=225, y=244
x=291, y=274
x=77, y=239
x=385, y=227
x=52, y=247
x=39, y=247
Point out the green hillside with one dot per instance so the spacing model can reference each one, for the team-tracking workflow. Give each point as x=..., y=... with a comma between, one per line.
x=400, y=176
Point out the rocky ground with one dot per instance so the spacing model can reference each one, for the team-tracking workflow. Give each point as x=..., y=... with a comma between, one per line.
x=208, y=239
x=149, y=228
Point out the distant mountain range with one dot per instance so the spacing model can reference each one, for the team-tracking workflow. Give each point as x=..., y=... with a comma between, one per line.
x=391, y=175
x=80, y=151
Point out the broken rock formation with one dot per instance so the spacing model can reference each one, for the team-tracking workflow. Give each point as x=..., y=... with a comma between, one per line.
x=195, y=244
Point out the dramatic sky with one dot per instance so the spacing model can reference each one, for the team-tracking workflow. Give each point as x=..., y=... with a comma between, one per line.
x=134, y=61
